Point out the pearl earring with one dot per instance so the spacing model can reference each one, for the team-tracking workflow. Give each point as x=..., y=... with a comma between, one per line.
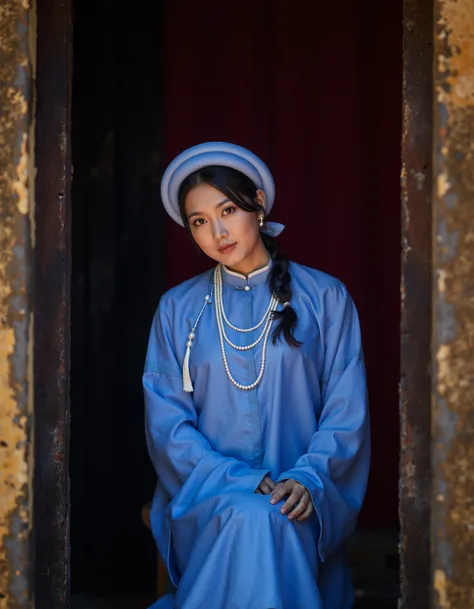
x=261, y=220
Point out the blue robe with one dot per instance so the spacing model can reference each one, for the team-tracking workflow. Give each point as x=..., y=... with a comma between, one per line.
x=225, y=546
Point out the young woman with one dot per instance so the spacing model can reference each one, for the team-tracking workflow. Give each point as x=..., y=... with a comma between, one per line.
x=256, y=405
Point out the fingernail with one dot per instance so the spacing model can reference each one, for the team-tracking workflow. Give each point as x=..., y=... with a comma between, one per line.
x=273, y=501
x=283, y=510
x=290, y=517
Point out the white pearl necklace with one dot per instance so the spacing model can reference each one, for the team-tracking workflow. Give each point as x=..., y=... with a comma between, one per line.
x=267, y=318
x=273, y=301
x=221, y=317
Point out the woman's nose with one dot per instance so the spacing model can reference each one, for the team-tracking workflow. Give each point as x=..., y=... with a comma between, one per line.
x=220, y=231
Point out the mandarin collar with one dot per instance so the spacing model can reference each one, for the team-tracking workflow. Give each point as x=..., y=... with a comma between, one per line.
x=242, y=282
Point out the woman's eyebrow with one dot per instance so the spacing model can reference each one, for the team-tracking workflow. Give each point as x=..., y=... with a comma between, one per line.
x=199, y=213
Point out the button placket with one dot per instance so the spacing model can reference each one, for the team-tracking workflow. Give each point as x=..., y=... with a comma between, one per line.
x=253, y=299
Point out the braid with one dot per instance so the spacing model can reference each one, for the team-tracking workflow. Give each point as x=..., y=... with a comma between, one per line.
x=280, y=284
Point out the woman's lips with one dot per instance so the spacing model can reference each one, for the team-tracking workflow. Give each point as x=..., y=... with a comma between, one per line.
x=226, y=249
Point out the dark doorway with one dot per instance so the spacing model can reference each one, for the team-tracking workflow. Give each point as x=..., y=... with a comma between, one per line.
x=317, y=92
x=117, y=281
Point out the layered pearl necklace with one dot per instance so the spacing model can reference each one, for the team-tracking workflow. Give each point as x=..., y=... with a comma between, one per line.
x=221, y=317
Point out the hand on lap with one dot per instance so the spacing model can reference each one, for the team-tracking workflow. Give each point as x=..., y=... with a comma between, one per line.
x=299, y=505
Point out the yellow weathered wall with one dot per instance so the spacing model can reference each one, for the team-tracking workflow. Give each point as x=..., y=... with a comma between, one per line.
x=16, y=163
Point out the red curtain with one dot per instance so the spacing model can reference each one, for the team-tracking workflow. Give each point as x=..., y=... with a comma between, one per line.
x=314, y=89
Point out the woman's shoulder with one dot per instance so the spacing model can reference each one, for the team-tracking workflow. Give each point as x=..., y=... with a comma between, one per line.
x=328, y=296
x=315, y=280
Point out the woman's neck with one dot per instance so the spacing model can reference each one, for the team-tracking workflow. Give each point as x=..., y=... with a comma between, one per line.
x=256, y=261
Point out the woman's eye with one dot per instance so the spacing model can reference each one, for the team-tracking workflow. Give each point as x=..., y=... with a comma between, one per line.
x=228, y=210
x=198, y=222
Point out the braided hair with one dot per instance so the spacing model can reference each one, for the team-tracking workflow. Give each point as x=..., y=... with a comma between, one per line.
x=243, y=192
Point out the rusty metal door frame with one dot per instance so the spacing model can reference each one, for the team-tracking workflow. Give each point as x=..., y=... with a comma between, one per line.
x=17, y=65
x=35, y=126
x=437, y=334
x=52, y=303
x=416, y=318
x=452, y=448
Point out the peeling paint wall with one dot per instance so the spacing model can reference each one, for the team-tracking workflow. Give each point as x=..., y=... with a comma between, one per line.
x=15, y=307
x=453, y=305
x=416, y=289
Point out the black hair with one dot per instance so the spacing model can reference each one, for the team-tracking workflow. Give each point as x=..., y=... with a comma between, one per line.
x=242, y=191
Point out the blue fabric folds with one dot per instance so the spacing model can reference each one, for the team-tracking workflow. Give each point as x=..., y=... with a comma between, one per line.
x=225, y=546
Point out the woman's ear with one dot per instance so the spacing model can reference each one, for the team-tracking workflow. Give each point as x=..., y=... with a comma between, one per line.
x=261, y=199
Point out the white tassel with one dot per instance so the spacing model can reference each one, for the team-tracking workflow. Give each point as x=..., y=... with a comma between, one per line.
x=187, y=382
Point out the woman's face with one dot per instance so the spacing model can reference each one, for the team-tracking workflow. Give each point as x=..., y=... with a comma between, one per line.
x=223, y=231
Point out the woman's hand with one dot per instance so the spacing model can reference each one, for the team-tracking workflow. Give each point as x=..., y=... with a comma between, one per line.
x=299, y=505
x=266, y=486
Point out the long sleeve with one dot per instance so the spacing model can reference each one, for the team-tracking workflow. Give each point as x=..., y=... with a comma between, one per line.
x=183, y=459
x=336, y=465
